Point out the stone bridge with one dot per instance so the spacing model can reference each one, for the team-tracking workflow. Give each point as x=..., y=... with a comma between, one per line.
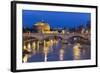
x=41, y=36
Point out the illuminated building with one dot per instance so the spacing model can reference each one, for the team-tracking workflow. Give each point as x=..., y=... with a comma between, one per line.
x=43, y=27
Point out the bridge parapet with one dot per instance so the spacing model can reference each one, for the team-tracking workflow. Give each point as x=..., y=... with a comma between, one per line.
x=43, y=36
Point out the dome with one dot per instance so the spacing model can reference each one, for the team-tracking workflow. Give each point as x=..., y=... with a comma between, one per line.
x=42, y=26
x=41, y=23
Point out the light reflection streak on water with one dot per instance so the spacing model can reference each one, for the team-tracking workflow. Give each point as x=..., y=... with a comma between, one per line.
x=25, y=58
x=77, y=51
x=61, y=55
x=47, y=47
x=34, y=47
x=29, y=47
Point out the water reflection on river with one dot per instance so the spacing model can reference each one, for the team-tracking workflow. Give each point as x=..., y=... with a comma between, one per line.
x=54, y=50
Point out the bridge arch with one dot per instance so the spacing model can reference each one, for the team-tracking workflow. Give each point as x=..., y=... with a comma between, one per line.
x=79, y=39
x=54, y=37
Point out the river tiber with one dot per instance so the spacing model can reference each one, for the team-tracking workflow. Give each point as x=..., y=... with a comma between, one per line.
x=41, y=43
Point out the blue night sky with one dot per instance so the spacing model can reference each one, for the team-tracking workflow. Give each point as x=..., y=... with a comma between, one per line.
x=55, y=19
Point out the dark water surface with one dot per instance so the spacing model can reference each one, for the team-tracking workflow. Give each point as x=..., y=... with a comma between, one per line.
x=57, y=51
